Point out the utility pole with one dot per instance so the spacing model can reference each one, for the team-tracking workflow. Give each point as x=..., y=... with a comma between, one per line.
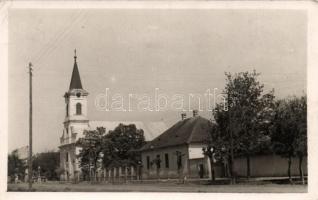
x=30, y=174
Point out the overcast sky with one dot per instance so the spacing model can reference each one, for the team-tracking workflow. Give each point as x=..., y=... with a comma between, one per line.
x=136, y=51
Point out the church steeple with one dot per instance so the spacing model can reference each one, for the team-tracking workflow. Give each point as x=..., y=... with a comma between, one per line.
x=76, y=79
x=75, y=123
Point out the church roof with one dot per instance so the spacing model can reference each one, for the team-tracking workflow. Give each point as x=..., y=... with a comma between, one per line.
x=76, y=79
x=151, y=129
x=190, y=130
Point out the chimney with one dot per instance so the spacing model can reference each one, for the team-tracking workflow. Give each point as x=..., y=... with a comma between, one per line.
x=195, y=113
x=183, y=116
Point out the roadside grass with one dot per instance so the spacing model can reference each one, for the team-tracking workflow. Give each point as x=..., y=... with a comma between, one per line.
x=222, y=186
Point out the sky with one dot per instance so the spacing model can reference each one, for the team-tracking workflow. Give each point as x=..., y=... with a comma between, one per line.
x=133, y=51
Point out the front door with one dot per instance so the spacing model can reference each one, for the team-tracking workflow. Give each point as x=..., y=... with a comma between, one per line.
x=201, y=170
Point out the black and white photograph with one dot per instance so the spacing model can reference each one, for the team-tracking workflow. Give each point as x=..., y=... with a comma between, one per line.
x=159, y=99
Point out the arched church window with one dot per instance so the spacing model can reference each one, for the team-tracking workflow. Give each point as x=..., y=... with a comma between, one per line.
x=66, y=110
x=78, y=109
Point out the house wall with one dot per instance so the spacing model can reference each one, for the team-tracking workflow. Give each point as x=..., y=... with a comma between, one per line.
x=261, y=165
x=198, y=161
x=268, y=165
x=195, y=151
x=163, y=172
x=194, y=165
x=191, y=161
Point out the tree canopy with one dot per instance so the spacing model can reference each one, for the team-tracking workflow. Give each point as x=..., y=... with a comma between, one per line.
x=91, y=147
x=244, y=118
x=48, y=163
x=118, y=147
x=16, y=166
x=121, y=145
x=289, y=130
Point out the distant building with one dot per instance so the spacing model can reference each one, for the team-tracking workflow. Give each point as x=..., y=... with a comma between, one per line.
x=76, y=122
x=177, y=152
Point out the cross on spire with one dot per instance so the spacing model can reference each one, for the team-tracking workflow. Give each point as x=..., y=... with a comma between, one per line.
x=75, y=57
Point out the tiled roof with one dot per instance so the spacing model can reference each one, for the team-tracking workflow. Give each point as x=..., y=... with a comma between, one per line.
x=190, y=130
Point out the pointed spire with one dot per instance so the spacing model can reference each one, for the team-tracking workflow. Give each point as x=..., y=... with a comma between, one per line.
x=76, y=79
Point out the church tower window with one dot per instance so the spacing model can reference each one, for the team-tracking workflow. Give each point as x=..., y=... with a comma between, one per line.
x=66, y=110
x=78, y=109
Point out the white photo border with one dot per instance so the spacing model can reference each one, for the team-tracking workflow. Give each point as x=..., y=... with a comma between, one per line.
x=311, y=7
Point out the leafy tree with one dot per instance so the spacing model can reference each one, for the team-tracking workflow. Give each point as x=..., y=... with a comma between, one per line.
x=121, y=144
x=221, y=138
x=301, y=137
x=16, y=166
x=48, y=163
x=289, y=133
x=91, y=151
x=244, y=120
x=116, y=148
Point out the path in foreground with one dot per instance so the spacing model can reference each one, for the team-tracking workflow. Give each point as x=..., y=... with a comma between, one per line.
x=159, y=187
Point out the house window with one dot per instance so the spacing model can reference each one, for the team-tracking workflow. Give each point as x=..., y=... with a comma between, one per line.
x=167, y=160
x=158, y=161
x=78, y=109
x=179, y=161
x=66, y=156
x=148, y=162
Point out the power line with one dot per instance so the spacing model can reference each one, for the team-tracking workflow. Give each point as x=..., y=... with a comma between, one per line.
x=62, y=36
x=55, y=38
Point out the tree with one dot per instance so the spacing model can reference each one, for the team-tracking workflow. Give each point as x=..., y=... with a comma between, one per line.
x=247, y=118
x=121, y=144
x=48, y=162
x=116, y=148
x=301, y=137
x=91, y=151
x=221, y=140
x=289, y=132
x=16, y=166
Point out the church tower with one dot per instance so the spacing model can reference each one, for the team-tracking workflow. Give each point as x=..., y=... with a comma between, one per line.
x=76, y=100
x=75, y=123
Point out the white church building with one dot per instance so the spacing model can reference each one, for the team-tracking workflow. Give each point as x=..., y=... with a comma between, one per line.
x=76, y=121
